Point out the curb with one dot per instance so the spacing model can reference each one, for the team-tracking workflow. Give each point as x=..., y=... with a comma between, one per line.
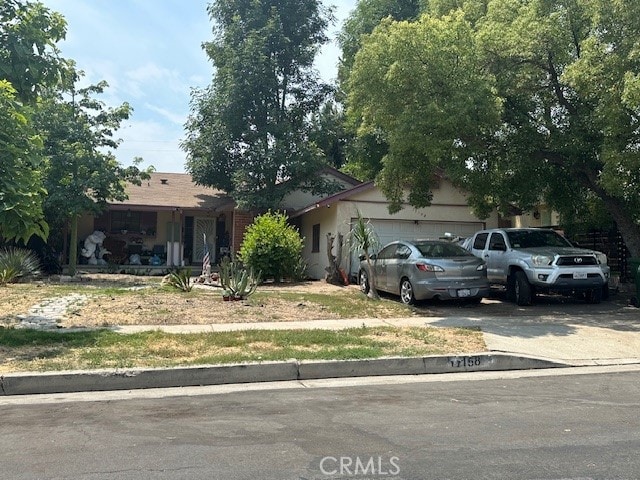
x=105, y=380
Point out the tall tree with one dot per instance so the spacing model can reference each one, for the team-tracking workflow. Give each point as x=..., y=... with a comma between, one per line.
x=366, y=16
x=29, y=62
x=328, y=133
x=533, y=101
x=248, y=132
x=29, y=57
x=365, y=152
x=82, y=172
x=21, y=160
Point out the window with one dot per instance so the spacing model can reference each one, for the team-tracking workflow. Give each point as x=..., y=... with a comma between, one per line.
x=127, y=221
x=480, y=241
x=497, y=242
x=387, y=252
x=403, y=252
x=315, y=238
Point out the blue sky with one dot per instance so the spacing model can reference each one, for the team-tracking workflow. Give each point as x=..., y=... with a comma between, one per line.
x=149, y=51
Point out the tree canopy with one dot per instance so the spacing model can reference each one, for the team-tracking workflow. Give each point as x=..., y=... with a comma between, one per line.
x=248, y=132
x=518, y=101
x=82, y=172
x=29, y=62
x=56, y=141
x=29, y=57
x=21, y=189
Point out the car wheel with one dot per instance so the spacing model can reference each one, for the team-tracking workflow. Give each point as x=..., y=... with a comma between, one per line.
x=406, y=292
x=522, y=289
x=594, y=296
x=363, y=281
x=605, y=291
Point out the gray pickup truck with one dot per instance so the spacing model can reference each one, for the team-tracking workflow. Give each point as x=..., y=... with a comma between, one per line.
x=530, y=260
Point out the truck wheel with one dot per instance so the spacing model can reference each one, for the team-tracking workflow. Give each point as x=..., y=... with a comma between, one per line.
x=594, y=296
x=522, y=289
x=605, y=291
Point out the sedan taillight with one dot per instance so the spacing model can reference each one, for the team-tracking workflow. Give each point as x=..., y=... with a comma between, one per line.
x=425, y=267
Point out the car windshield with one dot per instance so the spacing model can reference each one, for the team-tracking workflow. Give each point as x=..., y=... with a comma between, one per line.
x=441, y=250
x=536, y=238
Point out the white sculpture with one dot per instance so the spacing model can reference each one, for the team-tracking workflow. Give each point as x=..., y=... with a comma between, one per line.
x=93, y=248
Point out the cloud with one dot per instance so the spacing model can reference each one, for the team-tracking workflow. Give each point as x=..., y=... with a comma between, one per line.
x=173, y=117
x=150, y=54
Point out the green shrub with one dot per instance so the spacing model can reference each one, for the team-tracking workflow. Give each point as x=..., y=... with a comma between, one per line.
x=272, y=246
x=17, y=264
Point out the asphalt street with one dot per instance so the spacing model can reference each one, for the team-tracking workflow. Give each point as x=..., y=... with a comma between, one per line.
x=572, y=423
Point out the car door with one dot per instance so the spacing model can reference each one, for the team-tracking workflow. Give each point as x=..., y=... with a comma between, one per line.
x=395, y=266
x=381, y=265
x=496, y=258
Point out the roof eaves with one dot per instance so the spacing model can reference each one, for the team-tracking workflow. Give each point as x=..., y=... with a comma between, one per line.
x=344, y=194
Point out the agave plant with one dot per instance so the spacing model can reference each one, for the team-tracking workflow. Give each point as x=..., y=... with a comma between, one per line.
x=236, y=280
x=16, y=264
x=180, y=279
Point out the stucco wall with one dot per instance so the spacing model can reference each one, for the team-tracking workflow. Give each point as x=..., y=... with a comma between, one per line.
x=317, y=261
x=449, y=205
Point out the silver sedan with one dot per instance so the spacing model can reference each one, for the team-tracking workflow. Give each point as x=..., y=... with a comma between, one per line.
x=426, y=269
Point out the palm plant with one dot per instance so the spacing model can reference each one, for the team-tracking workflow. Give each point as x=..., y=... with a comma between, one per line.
x=363, y=239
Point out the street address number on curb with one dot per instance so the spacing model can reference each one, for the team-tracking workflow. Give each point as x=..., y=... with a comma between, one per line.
x=465, y=362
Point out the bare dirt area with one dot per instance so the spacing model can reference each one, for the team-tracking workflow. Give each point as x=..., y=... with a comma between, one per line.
x=135, y=300
x=113, y=299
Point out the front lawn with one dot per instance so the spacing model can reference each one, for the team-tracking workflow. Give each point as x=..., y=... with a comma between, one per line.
x=32, y=350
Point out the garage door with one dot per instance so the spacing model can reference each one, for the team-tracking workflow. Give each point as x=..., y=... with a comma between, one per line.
x=390, y=230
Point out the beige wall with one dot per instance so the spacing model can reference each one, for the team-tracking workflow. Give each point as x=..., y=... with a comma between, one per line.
x=317, y=261
x=540, y=217
x=448, y=206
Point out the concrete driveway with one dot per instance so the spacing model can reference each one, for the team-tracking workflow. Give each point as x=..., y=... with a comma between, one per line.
x=555, y=327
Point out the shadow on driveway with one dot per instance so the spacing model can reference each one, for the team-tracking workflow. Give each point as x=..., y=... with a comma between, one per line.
x=550, y=315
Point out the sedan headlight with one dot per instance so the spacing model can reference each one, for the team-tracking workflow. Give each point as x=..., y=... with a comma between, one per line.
x=541, y=260
x=481, y=267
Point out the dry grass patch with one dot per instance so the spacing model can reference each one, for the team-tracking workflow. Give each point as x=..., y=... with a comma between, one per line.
x=30, y=350
x=131, y=300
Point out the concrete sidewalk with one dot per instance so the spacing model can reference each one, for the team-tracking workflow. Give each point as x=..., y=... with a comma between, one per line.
x=513, y=343
x=582, y=340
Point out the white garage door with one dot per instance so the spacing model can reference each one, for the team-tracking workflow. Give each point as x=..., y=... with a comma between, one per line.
x=390, y=230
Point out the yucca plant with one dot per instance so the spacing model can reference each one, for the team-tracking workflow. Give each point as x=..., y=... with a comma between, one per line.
x=179, y=279
x=17, y=264
x=236, y=280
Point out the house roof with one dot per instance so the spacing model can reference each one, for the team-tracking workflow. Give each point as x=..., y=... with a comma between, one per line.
x=341, y=176
x=344, y=194
x=173, y=190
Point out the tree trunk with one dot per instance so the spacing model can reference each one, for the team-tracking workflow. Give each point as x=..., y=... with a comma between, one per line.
x=333, y=275
x=629, y=230
x=73, y=246
x=627, y=227
x=373, y=289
